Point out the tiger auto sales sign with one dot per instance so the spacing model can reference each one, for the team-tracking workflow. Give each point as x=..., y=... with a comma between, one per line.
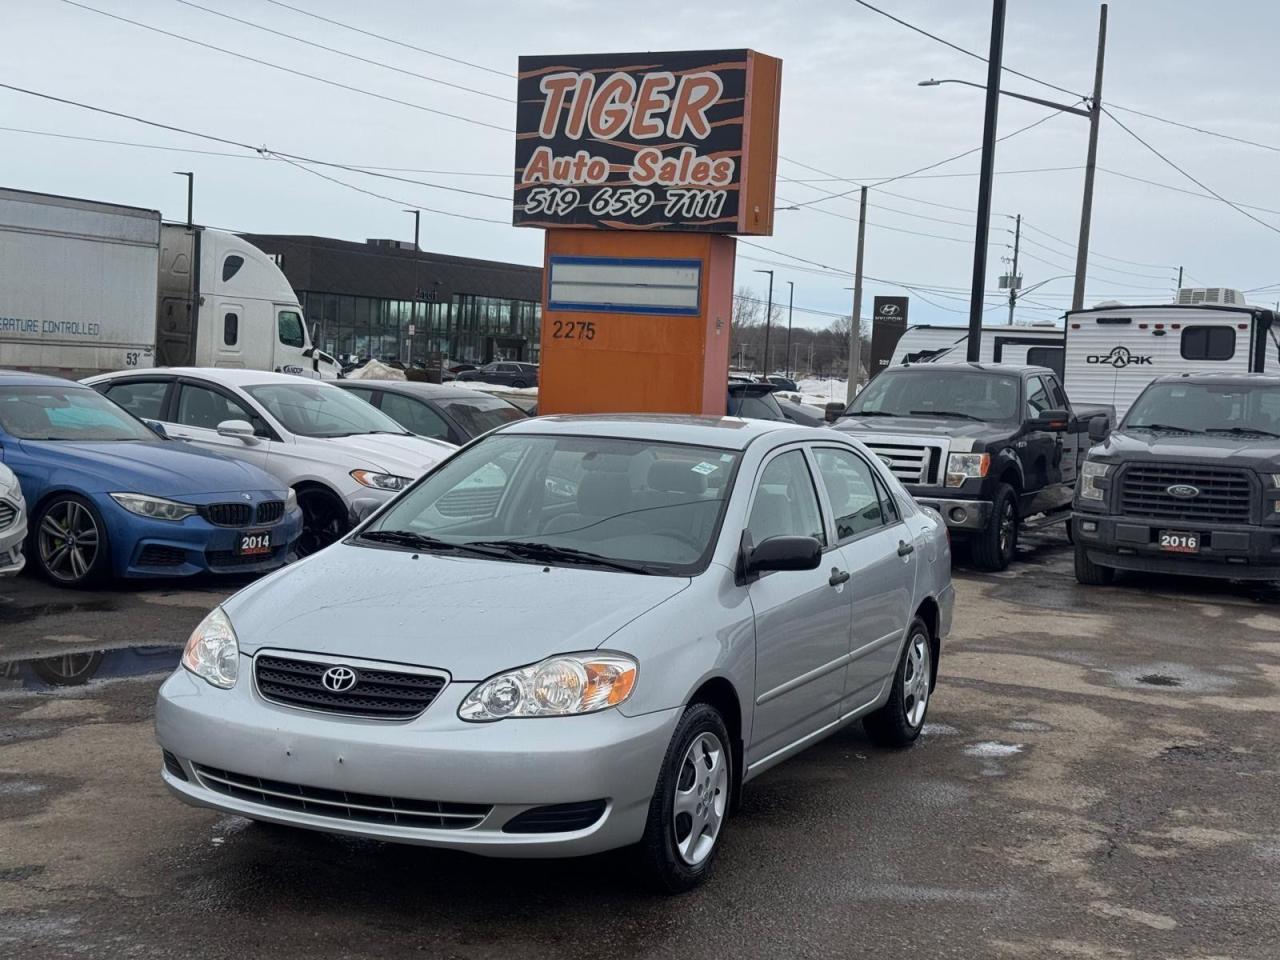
x=667, y=141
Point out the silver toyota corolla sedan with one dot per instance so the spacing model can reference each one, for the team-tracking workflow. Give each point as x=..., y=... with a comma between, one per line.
x=575, y=634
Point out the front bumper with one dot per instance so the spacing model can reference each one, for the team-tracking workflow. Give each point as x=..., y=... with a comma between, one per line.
x=964, y=515
x=163, y=548
x=1231, y=551
x=509, y=766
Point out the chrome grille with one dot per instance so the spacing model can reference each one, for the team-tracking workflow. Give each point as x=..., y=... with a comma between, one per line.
x=7, y=513
x=342, y=804
x=378, y=693
x=910, y=462
x=1226, y=496
x=228, y=514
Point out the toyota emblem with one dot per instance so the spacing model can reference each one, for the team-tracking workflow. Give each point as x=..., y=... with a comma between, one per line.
x=1183, y=491
x=339, y=679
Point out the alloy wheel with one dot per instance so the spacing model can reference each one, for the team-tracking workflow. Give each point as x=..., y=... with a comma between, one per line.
x=915, y=680
x=1008, y=527
x=701, y=798
x=68, y=540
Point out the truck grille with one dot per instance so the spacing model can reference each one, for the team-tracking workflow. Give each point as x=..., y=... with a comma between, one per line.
x=377, y=693
x=228, y=514
x=910, y=462
x=342, y=804
x=1226, y=496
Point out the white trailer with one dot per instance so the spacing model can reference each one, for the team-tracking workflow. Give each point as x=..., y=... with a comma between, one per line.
x=1040, y=345
x=88, y=287
x=1114, y=350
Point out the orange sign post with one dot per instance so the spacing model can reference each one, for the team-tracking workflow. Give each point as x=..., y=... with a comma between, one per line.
x=641, y=167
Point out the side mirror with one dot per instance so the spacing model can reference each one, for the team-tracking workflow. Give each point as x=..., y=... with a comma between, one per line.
x=1056, y=421
x=783, y=553
x=157, y=428
x=833, y=411
x=1099, y=428
x=237, y=429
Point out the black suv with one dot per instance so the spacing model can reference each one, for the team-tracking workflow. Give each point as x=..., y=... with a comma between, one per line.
x=1188, y=484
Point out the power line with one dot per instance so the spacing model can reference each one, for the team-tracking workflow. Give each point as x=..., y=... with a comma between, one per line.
x=1096, y=266
x=1203, y=130
x=344, y=53
x=960, y=49
x=1092, y=253
x=290, y=70
x=1198, y=183
x=386, y=39
x=1062, y=266
x=1183, y=190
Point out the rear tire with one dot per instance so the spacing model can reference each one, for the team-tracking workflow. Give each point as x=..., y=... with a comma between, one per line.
x=899, y=722
x=994, y=547
x=325, y=519
x=690, y=804
x=518, y=384
x=1092, y=574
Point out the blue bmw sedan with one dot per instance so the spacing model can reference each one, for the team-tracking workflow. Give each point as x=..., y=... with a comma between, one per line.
x=107, y=496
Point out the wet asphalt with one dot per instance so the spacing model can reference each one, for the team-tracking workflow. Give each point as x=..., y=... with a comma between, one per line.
x=1100, y=778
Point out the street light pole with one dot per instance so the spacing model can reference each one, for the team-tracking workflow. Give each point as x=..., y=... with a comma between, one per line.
x=1086, y=212
x=855, y=322
x=191, y=190
x=984, y=181
x=791, y=300
x=417, y=285
x=768, y=323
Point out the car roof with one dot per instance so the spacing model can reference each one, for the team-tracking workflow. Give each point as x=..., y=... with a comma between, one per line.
x=1224, y=379
x=1016, y=369
x=231, y=376
x=728, y=433
x=11, y=378
x=415, y=388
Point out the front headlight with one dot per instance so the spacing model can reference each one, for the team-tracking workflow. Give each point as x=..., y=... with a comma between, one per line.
x=212, y=652
x=380, y=481
x=290, y=501
x=561, y=686
x=154, y=508
x=966, y=466
x=1090, y=473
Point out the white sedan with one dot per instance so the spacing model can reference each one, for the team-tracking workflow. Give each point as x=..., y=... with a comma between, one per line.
x=13, y=523
x=342, y=456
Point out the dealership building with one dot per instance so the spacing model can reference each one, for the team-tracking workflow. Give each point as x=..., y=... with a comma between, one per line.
x=383, y=298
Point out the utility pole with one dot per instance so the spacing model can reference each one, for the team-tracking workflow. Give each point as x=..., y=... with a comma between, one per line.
x=191, y=190
x=1086, y=213
x=1013, y=277
x=417, y=284
x=768, y=323
x=791, y=300
x=984, y=181
x=855, y=322
x=1175, y=293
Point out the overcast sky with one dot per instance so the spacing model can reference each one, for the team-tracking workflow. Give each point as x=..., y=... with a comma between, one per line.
x=851, y=108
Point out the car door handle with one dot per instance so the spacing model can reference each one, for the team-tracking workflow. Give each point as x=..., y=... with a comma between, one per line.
x=838, y=576
x=905, y=549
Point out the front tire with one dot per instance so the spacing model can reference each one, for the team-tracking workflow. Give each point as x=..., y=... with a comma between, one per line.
x=994, y=547
x=69, y=542
x=690, y=803
x=899, y=722
x=325, y=519
x=1092, y=574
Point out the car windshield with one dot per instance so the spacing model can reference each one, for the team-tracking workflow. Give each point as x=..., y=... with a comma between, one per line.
x=1208, y=407
x=939, y=392
x=66, y=413
x=479, y=415
x=321, y=410
x=641, y=505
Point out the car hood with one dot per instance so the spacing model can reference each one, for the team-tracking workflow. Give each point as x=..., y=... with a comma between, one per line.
x=162, y=468
x=470, y=616
x=1244, y=451
x=923, y=427
x=404, y=456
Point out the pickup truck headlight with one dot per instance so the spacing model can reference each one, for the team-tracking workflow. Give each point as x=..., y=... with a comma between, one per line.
x=561, y=686
x=380, y=481
x=156, y=508
x=966, y=466
x=1090, y=473
x=213, y=652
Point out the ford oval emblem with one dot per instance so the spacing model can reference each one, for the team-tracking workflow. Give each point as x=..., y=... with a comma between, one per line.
x=1183, y=491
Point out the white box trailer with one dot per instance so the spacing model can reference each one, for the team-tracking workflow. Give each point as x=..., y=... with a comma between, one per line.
x=78, y=284
x=1040, y=345
x=1114, y=350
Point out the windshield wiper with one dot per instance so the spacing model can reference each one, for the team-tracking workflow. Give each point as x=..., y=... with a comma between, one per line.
x=548, y=553
x=1256, y=431
x=946, y=413
x=418, y=541
x=871, y=413
x=1166, y=428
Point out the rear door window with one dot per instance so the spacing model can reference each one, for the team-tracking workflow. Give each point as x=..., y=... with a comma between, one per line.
x=144, y=399
x=415, y=416
x=851, y=489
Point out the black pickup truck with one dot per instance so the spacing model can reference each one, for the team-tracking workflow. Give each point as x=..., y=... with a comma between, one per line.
x=1188, y=484
x=985, y=444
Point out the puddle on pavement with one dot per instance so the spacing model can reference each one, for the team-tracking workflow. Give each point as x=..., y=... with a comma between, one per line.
x=14, y=613
x=991, y=749
x=68, y=670
x=1180, y=676
x=1159, y=680
x=1029, y=726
